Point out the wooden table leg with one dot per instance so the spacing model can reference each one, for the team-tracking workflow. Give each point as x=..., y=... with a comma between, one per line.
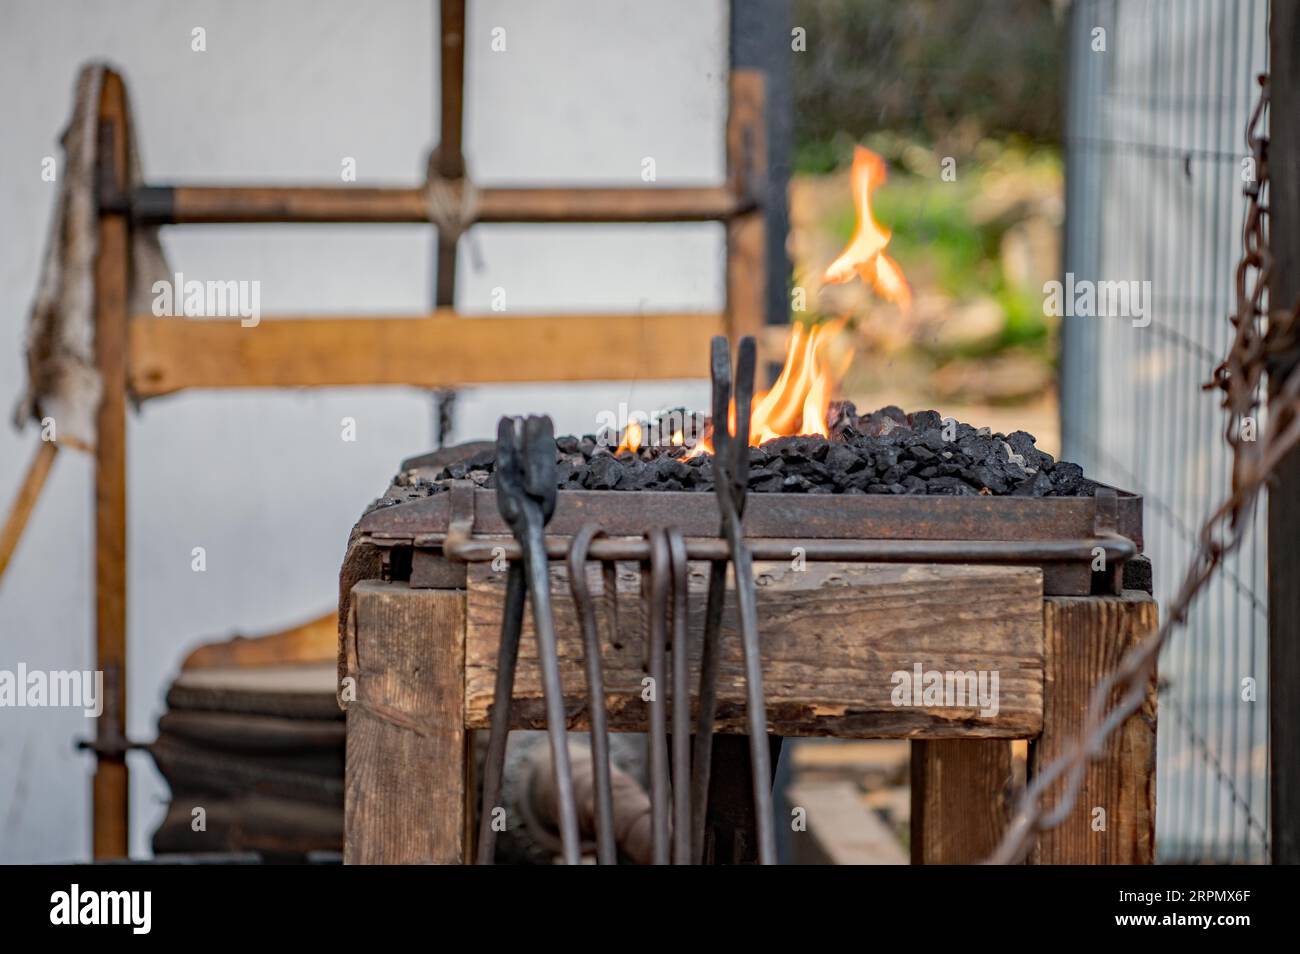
x=961, y=799
x=408, y=765
x=1113, y=820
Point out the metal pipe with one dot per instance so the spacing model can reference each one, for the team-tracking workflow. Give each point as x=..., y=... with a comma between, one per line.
x=498, y=734
x=210, y=205
x=1029, y=552
x=655, y=595
x=606, y=850
x=731, y=501
x=681, y=700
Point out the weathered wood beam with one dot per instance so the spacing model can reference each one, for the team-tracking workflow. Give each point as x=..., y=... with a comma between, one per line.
x=1113, y=819
x=440, y=350
x=833, y=635
x=961, y=799
x=407, y=785
x=746, y=234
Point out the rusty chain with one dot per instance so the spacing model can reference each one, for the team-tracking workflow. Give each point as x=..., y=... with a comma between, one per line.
x=1260, y=339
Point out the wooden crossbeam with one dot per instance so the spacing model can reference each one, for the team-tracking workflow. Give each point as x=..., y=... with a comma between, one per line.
x=834, y=637
x=212, y=205
x=437, y=350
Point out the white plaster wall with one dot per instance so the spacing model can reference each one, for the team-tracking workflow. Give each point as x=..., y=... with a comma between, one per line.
x=261, y=479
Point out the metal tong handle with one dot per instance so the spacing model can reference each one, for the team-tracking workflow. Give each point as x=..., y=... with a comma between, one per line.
x=606, y=847
x=681, y=699
x=655, y=594
x=526, y=494
x=731, y=478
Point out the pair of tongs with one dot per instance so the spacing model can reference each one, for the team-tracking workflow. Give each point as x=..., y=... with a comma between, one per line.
x=525, y=482
x=730, y=480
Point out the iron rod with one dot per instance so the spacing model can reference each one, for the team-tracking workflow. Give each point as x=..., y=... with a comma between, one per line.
x=1117, y=548
x=606, y=850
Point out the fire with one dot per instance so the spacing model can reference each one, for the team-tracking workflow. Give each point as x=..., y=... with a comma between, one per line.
x=801, y=396
x=865, y=254
x=631, y=438
x=800, y=399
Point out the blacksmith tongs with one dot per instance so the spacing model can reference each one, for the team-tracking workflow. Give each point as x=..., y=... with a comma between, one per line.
x=731, y=479
x=525, y=483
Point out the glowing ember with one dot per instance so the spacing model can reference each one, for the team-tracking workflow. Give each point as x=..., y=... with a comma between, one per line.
x=865, y=254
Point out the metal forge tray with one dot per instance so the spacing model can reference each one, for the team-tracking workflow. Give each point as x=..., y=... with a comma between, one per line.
x=1066, y=536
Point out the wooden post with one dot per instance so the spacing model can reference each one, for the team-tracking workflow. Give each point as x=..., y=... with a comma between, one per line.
x=760, y=41
x=112, y=270
x=1284, y=492
x=1113, y=820
x=408, y=765
x=451, y=161
x=746, y=233
x=961, y=799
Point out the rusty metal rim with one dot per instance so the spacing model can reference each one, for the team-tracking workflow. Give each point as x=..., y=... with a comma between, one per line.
x=811, y=517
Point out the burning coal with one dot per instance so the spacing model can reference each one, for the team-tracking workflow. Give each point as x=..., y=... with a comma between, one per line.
x=884, y=452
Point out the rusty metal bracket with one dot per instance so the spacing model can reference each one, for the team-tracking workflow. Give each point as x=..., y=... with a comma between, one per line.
x=460, y=525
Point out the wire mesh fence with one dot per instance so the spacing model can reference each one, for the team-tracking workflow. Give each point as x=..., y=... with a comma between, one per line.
x=1158, y=96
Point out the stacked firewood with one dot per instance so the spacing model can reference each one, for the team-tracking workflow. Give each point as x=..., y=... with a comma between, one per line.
x=252, y=746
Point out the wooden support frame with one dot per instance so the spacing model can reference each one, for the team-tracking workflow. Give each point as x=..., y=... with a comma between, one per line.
x=963, y=791
x=146, y=357
x=962, y=795
x=1114, y=818
x=833, y=636
x=964, y=786
x=404, y=728
x=445, y=349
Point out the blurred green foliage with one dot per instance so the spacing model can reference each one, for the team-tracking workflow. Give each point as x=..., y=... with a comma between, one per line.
x=947, y=235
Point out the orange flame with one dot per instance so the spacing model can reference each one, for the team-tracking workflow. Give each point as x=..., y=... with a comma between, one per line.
x=801, y=397
x=865, y=254
x=631, y=438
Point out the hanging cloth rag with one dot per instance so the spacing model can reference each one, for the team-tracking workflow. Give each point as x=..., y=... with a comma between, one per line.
x=63, y=382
